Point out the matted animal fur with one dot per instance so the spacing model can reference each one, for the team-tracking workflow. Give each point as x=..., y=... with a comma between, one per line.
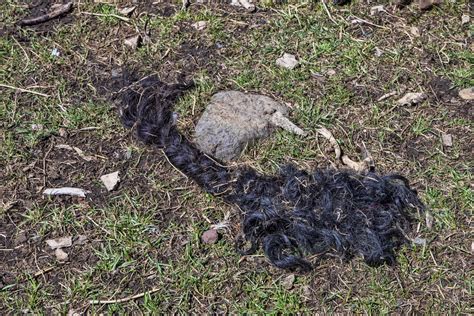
x=293, y=213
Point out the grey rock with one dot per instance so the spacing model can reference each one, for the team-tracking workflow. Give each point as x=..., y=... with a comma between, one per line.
x=233, y=119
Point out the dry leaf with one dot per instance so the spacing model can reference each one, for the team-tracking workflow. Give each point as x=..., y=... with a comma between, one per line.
x=59, y=242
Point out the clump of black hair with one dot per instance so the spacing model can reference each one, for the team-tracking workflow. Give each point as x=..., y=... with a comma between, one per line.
x=293, y=213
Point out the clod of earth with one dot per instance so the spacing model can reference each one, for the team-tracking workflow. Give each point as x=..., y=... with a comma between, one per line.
x=210, y=236
x=412, y=98
x=233, y=119
x=287, y=61
x=61, y=242
x=110, y=180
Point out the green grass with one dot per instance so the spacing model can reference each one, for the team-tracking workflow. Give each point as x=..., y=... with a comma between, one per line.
x=146, y=235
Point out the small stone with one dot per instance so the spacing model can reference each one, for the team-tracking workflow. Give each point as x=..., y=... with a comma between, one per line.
x=465, y=19
x=467, y=94
x=287, y=61
x=59, y=242
x=378, y=52
x=200, y=25
x=210, y=236
x=288, y=281
x=415, y=31
x=111, y=180
x=377, y=9
x=232, y=120
x=133, y=42
x=472, y=247
x=447, y=140
x=61, y=255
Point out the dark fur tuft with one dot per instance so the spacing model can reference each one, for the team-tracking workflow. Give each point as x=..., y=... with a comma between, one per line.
x=290, y=214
